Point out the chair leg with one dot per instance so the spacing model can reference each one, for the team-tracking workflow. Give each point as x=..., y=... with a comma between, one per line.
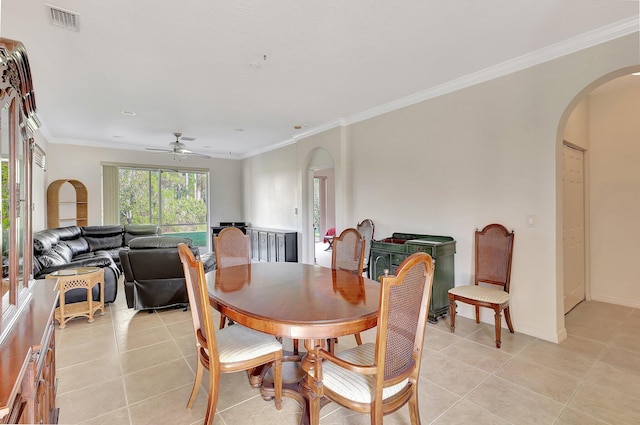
x=376, y=413
x=477, y=314
x=296, y=344
x=452, y=314
x=277, y=382
x=223, y=321
x=197, y=381
x=507, y=317
x=212, y=402
x=358, y=339
x=498, y=318
x=414, y=410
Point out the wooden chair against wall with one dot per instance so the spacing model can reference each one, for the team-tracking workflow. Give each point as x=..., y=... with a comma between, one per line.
x=494, y=251
x=232, y=349
x=366, y=229
x=382, y=377
x=232, y=248
x=348, y=254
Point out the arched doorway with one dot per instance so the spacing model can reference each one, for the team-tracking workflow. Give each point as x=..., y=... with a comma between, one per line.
x=600, y=125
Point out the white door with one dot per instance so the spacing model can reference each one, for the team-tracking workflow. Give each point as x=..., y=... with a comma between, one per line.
x=573, y=225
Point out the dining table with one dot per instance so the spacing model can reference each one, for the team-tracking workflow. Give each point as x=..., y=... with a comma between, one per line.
x=298, y=301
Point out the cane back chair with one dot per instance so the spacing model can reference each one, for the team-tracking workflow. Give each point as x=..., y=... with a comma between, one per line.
x=232, y=349
x=380, y=378
x=494, y=251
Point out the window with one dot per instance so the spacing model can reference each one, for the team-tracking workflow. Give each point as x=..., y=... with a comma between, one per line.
x=177, y=200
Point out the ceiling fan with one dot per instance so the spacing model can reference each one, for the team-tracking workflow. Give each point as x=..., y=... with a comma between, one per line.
x=179, y=149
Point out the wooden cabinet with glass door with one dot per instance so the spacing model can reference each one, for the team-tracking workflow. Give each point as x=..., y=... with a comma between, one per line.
x=27, y=340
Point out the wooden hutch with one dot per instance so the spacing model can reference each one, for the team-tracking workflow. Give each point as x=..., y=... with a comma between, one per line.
x=27, y=339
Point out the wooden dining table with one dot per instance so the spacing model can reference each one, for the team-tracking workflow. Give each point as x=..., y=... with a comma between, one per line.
x=298, y=301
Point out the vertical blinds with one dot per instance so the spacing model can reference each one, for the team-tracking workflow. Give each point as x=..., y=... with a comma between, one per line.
x=110, y=194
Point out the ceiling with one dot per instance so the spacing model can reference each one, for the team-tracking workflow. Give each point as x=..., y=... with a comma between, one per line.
x=240, y=76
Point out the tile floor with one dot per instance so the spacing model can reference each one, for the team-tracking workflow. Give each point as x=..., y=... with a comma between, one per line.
x=137, y=368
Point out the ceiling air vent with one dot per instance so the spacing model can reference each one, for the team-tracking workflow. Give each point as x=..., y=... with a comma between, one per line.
x=64, y=18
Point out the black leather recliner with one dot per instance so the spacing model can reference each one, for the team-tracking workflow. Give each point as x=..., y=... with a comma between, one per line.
x=153, y=273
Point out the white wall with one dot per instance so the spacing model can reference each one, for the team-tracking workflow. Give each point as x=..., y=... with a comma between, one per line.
x=615, y=196
x=446, y=166
x=84, y=164
x=576, y=131
x=270, y=189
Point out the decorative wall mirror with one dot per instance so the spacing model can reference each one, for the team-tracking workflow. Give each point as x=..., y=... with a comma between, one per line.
x=18, y=121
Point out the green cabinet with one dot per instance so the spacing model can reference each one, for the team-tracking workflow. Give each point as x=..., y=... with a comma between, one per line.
x=388, y=253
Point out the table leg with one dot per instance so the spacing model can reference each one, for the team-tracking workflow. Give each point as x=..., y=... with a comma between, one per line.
x=310, y=388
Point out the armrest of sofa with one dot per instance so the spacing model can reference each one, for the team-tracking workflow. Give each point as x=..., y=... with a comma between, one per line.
x=86, y=262
x=208, y=261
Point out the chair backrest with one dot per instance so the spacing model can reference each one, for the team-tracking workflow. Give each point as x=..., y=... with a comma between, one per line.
x=366, y=229
x=199, y=302
x=232, y=248
x=402, y=319
x=348, y=251
x=494, y=250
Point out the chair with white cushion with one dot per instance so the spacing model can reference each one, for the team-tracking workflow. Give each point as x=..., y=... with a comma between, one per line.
x=232, y=349
x=380, y=378
x=494, y=250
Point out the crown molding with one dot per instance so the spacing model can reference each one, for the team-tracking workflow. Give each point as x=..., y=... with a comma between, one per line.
x=583, y=41
x=571, y=45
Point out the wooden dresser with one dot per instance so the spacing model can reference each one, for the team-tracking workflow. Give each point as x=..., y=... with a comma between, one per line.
x=27, y=362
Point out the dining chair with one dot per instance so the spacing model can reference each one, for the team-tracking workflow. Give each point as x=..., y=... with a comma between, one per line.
x=348, y=254
x=366, y=229
x=348, y=251
x=232, y=349
x=494, y=251
x=232, y=248
x=379, y=378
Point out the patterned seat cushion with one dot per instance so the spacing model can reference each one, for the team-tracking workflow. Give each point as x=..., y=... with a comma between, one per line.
x=237, y=343
x=351, y=385
x=481, y=293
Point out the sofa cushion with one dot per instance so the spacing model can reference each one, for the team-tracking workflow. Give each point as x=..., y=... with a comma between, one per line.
x=132, y=231
x=159, y=242
x=43, y=241
x=104, y=242
x=52, y=258
x=66, y=233
x=78, y=246
x=106, y=230
x=63, y=251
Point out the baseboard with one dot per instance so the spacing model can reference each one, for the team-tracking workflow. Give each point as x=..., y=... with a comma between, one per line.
x=614, y=300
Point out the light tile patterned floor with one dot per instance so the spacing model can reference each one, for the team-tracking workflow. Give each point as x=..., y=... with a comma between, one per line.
x=137, y=368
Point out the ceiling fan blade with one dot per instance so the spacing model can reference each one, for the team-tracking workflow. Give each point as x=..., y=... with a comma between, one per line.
x=199, y=155
x=159, y=150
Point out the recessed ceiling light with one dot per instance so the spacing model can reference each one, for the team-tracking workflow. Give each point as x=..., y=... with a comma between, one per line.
x=118, y=137
x=130, y=113
x=239, y=129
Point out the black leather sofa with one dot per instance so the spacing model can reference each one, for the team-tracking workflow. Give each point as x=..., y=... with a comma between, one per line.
x=86, y=246
x=153, y=273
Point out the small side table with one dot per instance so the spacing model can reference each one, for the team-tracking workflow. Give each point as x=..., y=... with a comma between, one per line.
x=80, y=277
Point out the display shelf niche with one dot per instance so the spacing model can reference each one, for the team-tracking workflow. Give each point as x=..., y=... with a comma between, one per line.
x=61, y=202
